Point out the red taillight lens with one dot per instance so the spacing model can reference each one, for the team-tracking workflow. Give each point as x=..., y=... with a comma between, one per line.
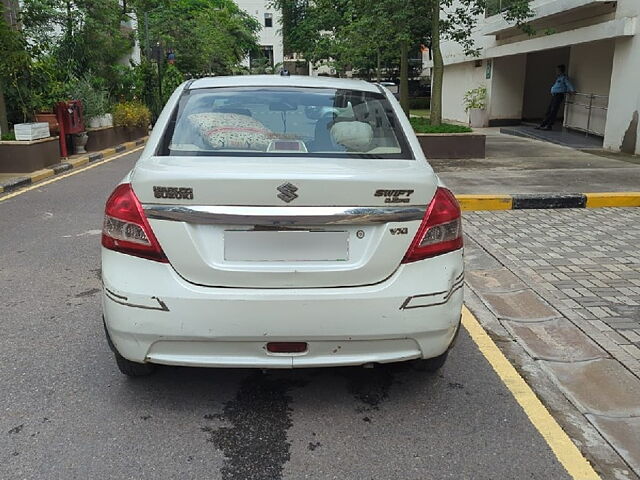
x=126, y=229
x=441, y=228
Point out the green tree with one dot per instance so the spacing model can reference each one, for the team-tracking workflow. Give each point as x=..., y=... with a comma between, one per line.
x=81, y=35
x=207, y=36
x=359, y=33
x=171, y=79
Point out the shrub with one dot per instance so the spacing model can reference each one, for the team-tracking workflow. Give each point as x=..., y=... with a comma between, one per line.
x=94, y=96
x=131, y=115
x=476, y=98
x=171, y=80
x=422, y=125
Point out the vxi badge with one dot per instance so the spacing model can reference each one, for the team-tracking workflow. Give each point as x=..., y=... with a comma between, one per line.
x=394, y=196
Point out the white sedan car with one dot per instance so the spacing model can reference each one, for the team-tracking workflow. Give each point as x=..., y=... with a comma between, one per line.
x=281, y=222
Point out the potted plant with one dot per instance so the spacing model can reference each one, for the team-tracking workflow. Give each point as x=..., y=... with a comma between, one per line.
x=94, y=100
x=475, y=103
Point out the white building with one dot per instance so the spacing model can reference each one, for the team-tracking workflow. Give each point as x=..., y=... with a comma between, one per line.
x=269, y=37
x=598, y=41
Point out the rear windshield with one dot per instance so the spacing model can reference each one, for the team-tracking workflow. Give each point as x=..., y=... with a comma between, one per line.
x=279, y=121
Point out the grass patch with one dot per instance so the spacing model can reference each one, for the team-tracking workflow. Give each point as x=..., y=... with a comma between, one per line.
x=422, y=125
x=426, y=113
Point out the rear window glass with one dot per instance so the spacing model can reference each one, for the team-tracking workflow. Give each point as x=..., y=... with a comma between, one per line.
x=262, y=121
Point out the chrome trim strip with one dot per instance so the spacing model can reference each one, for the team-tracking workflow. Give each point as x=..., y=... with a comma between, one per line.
x=285, y=216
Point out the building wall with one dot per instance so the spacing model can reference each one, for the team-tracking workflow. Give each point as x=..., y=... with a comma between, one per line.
x=267, y=35
x=507, y=89
x=590, y=70
x=458, y=79
x=623, y=128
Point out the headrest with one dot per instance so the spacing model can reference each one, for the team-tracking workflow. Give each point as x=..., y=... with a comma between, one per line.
x=354, y=136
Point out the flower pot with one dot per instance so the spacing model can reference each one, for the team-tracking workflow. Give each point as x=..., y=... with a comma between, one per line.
x=477, y=117
x=107, y=120
x=95, y=122
x=51, y=119
x=80, y=141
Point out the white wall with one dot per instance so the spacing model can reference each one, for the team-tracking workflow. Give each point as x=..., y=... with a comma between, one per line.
x=267, y=35
x=458, y=79
x=506, y=88
x=590, y=71
x=624, y=101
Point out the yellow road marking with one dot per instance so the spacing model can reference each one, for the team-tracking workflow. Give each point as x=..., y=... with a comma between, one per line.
x=613, y=199
x=485, y=202
x=71, y=173
x=564, y=449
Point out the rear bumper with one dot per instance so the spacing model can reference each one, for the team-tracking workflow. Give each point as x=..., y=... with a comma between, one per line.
x=153, y=315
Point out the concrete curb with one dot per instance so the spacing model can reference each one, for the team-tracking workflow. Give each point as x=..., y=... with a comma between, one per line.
x=70, y=163
x=521, y=201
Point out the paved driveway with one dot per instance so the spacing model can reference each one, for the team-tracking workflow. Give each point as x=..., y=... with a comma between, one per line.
x=68, y=414
x=520, y=165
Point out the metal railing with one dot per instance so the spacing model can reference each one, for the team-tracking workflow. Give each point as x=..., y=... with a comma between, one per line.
x=586, y=112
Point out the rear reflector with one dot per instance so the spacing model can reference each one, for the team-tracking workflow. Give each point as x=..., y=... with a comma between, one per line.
x=126, y=229
x=287, y=347
x=441, y=228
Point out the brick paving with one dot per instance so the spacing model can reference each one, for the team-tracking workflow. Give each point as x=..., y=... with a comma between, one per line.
x=565, y=284
x=584, y=263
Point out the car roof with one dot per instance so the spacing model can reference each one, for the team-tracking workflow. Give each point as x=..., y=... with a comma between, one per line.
x=283, y=81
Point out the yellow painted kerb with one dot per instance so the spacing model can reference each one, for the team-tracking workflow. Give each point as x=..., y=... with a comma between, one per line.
x=564, y=449
x=41, y=174
x=613, y=199
x=470, y=203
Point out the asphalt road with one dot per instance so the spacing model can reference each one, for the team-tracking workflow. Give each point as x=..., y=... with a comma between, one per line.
x=67, y=413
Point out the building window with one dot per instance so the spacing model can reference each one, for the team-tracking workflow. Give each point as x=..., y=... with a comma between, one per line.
x=268, y=20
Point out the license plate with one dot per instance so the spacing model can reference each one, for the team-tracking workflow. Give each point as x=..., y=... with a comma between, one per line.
x=286, y=246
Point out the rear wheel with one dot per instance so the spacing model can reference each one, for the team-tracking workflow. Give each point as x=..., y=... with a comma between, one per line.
x=430, y=364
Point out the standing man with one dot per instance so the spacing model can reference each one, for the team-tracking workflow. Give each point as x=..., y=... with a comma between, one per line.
x=560, y=88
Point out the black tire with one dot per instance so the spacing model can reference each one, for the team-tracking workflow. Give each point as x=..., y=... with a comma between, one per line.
x=431, y=365
x=133, y=369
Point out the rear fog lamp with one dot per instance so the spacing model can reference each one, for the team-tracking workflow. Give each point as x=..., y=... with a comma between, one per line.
x=287, y=347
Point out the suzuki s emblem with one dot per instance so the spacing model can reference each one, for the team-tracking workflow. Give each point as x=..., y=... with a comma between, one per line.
x=287, y=192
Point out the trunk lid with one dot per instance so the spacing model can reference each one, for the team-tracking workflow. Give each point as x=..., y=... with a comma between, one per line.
x=305, y=223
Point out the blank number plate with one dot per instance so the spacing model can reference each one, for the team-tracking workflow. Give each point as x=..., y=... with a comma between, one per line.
x=287, y=246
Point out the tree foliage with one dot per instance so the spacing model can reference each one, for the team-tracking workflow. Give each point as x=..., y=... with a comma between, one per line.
x=207, y=36
x=81, y=35
x=353, y=34
x=362, y=35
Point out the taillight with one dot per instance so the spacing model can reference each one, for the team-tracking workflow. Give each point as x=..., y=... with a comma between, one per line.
x=126, y=229
x=441, y=228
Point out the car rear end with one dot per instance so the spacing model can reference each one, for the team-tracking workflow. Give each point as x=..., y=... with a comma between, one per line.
x=294, y=224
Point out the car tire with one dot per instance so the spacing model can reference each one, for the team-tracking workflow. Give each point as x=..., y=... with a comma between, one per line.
x=133, y=369
x=430, y=365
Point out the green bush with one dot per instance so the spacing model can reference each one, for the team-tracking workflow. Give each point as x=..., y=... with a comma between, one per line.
x=131, y=115
x=420, y=103
x=94, y=97
x=422, y=125
x=171, y=80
